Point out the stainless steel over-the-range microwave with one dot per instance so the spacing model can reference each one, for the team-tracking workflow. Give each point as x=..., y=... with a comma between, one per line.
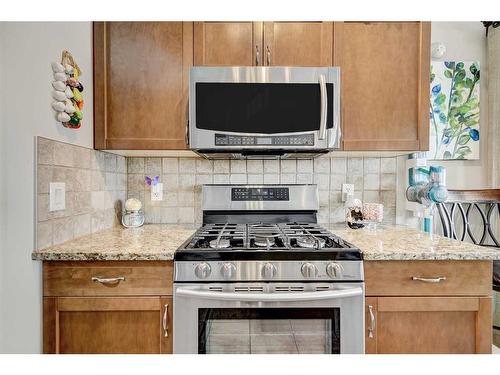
x=264, y=112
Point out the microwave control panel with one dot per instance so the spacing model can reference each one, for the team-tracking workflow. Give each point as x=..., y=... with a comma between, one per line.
x=287, y=140
x=260, y=194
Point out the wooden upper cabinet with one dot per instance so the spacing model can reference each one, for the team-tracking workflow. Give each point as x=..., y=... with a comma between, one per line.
x=298, y=43
x=141, y=73
x=385, y=69
x=227, y=43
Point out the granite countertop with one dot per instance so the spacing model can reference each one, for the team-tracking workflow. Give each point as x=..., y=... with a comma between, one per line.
x=149, y=242
x=159, y=242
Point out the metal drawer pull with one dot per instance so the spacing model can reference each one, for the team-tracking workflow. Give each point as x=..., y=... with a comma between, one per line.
x=371, y=330
x=108, y=280
x=257, y=56
x=429, y=279
x=268, y=56
x=165, y=320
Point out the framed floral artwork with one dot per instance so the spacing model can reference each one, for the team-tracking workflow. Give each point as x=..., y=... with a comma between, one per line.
x=454, y=110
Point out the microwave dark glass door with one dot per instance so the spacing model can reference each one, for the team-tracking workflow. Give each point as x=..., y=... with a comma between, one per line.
x=264, y=108
x=269, y=331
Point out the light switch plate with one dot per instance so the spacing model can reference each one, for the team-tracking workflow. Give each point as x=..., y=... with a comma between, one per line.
x=57, y=196
x=347, y=189
x=157, y=192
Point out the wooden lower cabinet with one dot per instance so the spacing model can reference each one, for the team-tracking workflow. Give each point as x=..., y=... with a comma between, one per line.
x=114, y=325
x=437, y=325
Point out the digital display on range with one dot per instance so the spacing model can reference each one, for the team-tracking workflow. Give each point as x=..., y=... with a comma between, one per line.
x=260, y=194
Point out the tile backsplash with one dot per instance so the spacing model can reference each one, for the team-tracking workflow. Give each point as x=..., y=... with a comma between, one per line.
x=374, y=180
x=96, y=185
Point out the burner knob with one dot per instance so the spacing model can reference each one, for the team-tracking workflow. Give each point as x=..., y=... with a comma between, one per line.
x=334, y=270
x=228, y=271
x=202, y=270
x=268, y=271
x=309, y=270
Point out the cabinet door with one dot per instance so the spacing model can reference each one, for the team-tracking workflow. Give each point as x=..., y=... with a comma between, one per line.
x=385, y=68
x=298, y=43
x=141, y=72
x=119, y=325
x=228, y=43
x=411, y=325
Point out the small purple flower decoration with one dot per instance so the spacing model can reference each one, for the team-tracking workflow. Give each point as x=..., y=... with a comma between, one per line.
x=152, y=181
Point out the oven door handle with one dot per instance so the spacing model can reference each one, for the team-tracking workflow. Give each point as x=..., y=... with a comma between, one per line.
x=271, y=297
x=323, y=107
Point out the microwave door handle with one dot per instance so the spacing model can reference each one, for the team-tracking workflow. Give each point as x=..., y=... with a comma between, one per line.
x=323, y=108
x=271, y=297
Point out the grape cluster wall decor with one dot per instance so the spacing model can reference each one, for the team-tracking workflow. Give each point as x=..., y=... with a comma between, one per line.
x=454, y=110
x=67, y=91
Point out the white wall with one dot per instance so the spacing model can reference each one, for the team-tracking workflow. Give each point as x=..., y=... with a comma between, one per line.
x=27, y=49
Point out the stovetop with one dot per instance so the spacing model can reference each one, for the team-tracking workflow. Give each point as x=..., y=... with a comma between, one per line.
x=261, y=241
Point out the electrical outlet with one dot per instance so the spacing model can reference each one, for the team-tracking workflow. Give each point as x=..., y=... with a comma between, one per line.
x=347, y=189
x=57, y=196
x=157, y=192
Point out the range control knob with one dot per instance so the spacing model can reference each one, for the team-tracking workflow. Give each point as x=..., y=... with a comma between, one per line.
x=228, y=271
x=202, y=270
x=334, y=270
x=309, y=270
x=268, y=271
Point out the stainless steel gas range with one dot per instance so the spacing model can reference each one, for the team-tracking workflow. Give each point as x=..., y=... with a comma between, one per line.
x=261, y=276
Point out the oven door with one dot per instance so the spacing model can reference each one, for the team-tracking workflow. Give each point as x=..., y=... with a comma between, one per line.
x=252, y=108
x=279, y=318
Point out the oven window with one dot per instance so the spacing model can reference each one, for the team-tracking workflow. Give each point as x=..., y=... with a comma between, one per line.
x=269, y=330
x=261, y=107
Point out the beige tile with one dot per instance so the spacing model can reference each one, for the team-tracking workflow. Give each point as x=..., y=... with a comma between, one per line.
x=388, y=198
x=82, y=180
x=170, y=165
x=44, y=178
x=323, y=215
x=109, y=162
x=45, y=151
x=135, y=182
x=170, y=182
x=271, y=166
x=371, y=197
x=135, y=165
x=43, y=212
x=110, y=181
x=304, y=178
x=355, y=166
x=137, y=194
x=44, y=235
x=204, y=166
x=356, y=180
x=238, y=178
x=185, y=198
x=187, y=165
x=288, y=178
x=338, y=165
x=255, y=166
x=64, y=154
x=387, y=181
x=305, y=166
x=81, y=225
x=109, y=199
x=82, y=157
x=322, y=180
x=169, y=215
x=186, y=182
x=153, y=215
x=322, y=164
x=203, y=179
x=97, y=200
x=336, y=181
x=121, y=181
x=97, y=221
x=153, y=167
x=335, y=198
x=66, y=175
x=110, y=218
x=337, y=213
x=221, y=166
x=271, y=178
x=97, y=162
x=62, y=230
x=82, y=203
x=186, y=215
x=371, y=181
x=170, y=199
x=221, y=178
x=288, y=166
x=324, y=198
x=121, y=164
x=256, y=179
x=371, y=165
x=238, y=166
x=388, y=165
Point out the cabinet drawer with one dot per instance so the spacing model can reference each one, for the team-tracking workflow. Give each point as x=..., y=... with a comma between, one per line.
x=120, y=278
x=396, y=278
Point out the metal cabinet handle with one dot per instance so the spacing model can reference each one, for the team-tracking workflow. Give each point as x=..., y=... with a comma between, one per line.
x=436, y=279
x=186, y=136
x=257, y=56
x=268, y=56
x=108, y=280
x=371, y=330
x=323, y=107
x=165, y=320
